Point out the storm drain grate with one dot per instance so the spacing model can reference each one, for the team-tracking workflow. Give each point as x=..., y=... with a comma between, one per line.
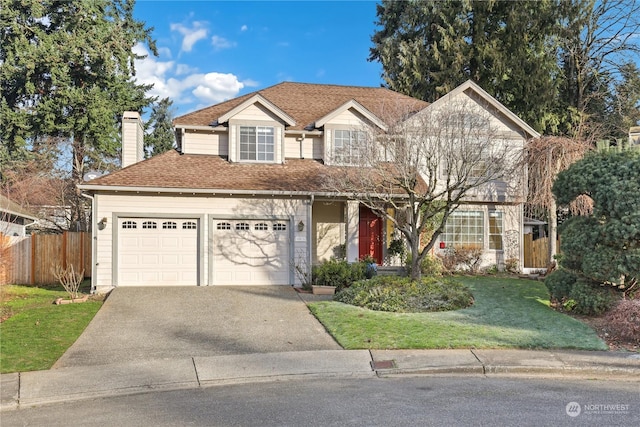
x=383, y=364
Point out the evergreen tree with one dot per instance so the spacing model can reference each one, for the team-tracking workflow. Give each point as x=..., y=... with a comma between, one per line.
x=605, y=246
x=159, y=127
x=428, y=48
x=66, y=70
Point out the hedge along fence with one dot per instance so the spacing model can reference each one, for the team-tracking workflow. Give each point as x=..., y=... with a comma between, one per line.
x=30, y=260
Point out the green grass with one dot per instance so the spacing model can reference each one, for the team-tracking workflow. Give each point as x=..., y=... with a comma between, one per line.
x=37, y=332
x=507, y=313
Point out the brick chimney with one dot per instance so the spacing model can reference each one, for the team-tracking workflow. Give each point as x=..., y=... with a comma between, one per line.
x=132, y=138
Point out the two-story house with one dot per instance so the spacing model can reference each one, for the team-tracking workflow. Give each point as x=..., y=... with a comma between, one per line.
x=243, y=199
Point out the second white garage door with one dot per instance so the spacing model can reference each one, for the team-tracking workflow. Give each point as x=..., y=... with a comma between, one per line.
x=157, y=252
x=250, y=252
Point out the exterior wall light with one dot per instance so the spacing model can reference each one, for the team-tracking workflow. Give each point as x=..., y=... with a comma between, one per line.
x=301, y=226
x=102, y=224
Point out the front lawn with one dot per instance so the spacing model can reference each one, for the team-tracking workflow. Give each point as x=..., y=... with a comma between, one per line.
x=34, y=333
x=507, y=313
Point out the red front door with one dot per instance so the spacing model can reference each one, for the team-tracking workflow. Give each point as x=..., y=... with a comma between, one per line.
x=370, y=235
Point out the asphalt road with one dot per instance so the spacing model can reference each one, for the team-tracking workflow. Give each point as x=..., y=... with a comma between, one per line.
x=400, y=401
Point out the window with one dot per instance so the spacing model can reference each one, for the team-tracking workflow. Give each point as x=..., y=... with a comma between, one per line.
x=279, y=227
x=464, y=229
x=347, y=146
x=257, y=143
x=149, y=225
x=261, y=226
x=223, y=226
x=129, y=224
x=242, y=226
x=189, y=225
x=495, y=230
x=169, y=225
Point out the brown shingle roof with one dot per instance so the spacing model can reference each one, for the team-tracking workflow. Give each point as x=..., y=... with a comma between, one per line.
x=176, y=171
x=198, y=171
x=306, y=103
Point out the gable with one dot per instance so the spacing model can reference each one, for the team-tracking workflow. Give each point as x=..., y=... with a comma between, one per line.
x=470, y=91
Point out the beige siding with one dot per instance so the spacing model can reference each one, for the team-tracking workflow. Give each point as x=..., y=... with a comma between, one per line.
x=201, y=142
x=132, y=139
x=255, y=112
x=328, y=229
x=311, y=147
x=112, y=206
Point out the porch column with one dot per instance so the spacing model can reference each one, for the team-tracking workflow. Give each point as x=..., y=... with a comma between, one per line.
x=352, y=219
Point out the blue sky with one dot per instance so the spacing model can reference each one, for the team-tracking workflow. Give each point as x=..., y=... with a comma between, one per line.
x=210, y=51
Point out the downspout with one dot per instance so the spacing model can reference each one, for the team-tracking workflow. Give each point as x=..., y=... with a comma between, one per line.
x=94, y=229
x=310, y=235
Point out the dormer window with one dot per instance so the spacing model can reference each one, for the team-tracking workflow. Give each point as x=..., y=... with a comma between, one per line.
x=257, y=143
x=347, y=145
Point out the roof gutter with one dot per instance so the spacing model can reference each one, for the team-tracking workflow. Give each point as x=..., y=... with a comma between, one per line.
x=216, y=192
x=200, y=127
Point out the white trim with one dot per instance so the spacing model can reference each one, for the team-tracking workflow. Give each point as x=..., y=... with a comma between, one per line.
x=356, y=106
x=257, y=98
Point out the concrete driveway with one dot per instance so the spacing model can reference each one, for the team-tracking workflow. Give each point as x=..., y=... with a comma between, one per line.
x=137, y=323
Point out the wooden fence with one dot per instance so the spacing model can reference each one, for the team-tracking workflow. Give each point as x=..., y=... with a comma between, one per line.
x=29, y=260
x=536, y=252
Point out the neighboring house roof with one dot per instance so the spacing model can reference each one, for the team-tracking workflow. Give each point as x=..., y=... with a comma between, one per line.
x=185, y=173
x=306, y=103
x=12, y=208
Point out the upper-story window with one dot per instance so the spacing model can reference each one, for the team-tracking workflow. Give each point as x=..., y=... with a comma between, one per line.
x=257, y=143
x=347, y=146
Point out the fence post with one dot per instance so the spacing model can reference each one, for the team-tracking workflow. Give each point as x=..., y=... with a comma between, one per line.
x=33, y=258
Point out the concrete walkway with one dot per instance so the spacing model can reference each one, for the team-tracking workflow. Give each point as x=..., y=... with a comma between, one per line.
x=86, y=382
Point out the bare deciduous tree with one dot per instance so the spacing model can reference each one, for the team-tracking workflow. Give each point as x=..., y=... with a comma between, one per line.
x=425, y=165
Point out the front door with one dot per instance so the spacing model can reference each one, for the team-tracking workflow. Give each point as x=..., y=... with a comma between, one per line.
x=370, y=235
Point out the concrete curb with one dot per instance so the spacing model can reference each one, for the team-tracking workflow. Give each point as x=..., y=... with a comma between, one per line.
x=18, y=390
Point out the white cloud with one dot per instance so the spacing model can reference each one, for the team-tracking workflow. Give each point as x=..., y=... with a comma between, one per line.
x=190, y=35
x=250, y=83
x=244, y=28
x=182, y=69
x=221, y=43
x=164, y=51
x=182, y=83
x=216, y=87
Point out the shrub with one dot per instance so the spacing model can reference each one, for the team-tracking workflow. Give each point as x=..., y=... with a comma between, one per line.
x=399, y=294
x=467, y=258
x=623, y=320
x=590, y=298
x=337, y=273
x=559, y=284
x=429, y=266
x=512, y=265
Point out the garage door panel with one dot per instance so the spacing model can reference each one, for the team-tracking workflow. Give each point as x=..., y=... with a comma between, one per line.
x=157, y=251
x=250, y=252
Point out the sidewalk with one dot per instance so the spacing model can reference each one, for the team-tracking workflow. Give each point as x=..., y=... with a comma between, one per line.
x=77, y=383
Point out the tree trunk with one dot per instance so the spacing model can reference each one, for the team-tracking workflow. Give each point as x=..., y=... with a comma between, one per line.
x=553, y=230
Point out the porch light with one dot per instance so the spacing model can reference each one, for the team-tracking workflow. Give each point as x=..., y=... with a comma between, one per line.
x=102, y=224
x=301, y=226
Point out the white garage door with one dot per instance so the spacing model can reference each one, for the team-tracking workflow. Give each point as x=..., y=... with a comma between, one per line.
x=157, y=251
x=252, y=252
